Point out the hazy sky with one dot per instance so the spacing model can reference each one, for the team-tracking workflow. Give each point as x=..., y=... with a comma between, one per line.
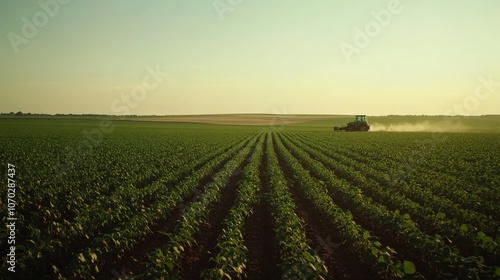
x=250, y=56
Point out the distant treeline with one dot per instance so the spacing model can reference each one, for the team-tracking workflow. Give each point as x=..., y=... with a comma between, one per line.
x=105, y=115
x=23, y=114
x=56, y=115
x=485, y=115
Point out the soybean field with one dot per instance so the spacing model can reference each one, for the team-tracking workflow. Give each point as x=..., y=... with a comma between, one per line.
x=142, y=200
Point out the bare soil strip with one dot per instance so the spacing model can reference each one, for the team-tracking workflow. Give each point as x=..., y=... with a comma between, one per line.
x=241, y=119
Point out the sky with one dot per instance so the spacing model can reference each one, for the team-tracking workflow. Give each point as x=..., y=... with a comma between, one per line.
x=173, y=57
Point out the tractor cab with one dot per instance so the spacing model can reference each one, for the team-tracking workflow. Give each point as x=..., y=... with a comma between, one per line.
x=361, y=118
x=359, y=124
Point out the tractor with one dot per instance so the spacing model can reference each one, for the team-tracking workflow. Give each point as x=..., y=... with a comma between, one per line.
x=360, y=124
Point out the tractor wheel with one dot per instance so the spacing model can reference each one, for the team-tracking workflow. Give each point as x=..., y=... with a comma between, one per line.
x=350, y=128
x=363, y=127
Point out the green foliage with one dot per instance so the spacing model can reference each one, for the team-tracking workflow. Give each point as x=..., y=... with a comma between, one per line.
x=409, y=204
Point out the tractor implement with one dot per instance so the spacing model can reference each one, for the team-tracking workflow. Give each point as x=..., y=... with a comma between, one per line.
x=360, y=124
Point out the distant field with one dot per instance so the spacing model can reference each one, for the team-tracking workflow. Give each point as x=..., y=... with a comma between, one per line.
x=243, y=119
x=167, y=200
x=378, y=123
x=488, y=123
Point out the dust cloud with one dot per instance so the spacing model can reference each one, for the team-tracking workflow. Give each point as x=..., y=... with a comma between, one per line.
x=418, y=127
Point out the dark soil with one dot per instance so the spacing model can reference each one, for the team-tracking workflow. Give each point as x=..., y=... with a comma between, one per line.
x=262, y=249
x=340, y=262
x=197, y=257
x=134, y=261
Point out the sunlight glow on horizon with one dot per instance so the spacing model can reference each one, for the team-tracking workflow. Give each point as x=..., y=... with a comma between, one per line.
x=260, y=58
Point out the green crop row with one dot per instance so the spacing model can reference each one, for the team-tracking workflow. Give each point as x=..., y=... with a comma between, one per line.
x=137, y=226
x=165, y=261
x=50, y=243
x=298, y=260
x=467, y=240
x=106, y=214
x=230, y=261
x=464, y=163
x=381, y=170
x=359, y=240
x=429, y=251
